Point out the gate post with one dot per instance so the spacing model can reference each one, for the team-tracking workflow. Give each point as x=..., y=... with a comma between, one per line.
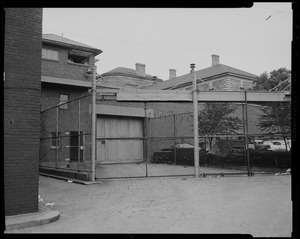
x=196, y=131
x=174, y=129
x=146, y=138
x=56, y=139
x=78, y=136
x=245, y=129
x=93, y=164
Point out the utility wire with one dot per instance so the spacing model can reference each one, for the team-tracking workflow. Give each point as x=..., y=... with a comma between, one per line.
x=274, y=14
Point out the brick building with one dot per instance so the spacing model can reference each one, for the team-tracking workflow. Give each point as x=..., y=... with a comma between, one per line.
x=65, y=78
x=120, y=126
x=122, y=77
x=64, y=66
x=216, y=77
x=22, y=91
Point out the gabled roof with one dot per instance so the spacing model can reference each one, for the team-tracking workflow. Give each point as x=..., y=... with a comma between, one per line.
x=205, y=74
x=62, y=41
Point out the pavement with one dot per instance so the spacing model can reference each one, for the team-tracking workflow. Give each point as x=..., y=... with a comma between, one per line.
x=46, y=215
x=43, y=216
x=260, y=205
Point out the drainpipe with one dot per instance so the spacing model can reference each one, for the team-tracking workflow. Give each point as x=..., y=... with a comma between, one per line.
x=196, y=132
x=94, y=123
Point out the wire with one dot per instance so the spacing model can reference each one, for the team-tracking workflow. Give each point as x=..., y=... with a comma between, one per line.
x=274, y=14
x=274, y=10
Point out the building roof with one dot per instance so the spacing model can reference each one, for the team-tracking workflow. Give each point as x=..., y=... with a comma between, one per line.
x=123, y=71
x=62, y=41
x=205, y=74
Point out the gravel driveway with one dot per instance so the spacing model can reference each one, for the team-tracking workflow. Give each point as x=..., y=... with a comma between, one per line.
x=259, y=205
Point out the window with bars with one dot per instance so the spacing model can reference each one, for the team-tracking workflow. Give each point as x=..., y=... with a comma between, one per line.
x=55, y=139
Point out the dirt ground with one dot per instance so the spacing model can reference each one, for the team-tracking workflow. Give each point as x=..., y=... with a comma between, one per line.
x=258, y=205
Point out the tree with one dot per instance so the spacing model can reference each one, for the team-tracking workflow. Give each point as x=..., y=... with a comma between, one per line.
x=276, y=118
x=267, y=81
x=214, y=118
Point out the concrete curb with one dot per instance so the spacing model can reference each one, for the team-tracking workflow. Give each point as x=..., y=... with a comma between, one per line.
x=43, y=216
x=69, y=179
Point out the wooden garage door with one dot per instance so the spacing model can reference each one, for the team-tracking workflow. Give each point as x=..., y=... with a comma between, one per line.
x=120, y=143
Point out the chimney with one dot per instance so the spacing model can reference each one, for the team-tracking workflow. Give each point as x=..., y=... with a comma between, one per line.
x=154, y=78
x=215, y=60
x=172, y=73
x=140, y=69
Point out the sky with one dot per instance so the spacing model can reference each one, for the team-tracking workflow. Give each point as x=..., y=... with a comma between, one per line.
x=254, y=40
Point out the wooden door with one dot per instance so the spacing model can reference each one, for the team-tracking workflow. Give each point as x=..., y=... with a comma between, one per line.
x=122, y=139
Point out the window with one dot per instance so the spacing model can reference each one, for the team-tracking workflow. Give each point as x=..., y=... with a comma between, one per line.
x=63, y=99
x=49, y=54
x=55, y=139
x=78, y=59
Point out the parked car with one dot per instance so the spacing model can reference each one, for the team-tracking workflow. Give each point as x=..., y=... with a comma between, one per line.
x=277, y=145
x=184, y=154
x=229, y=152
x=259, y=145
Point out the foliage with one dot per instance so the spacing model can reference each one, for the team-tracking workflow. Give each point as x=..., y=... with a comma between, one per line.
x=267, y=81
x=214, y=118
x=276, y=118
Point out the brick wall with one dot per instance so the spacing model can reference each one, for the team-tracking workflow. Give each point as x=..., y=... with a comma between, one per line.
x=50, y=95
x=76, y=117
x=63, y=68
x=22, y=86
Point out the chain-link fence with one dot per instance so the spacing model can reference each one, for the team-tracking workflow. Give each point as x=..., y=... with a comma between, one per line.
x=149, y=139
x=171, y=144
x=66, y=136
x=231, y=141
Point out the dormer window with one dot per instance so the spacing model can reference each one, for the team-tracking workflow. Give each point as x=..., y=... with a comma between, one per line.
x=79, y=57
